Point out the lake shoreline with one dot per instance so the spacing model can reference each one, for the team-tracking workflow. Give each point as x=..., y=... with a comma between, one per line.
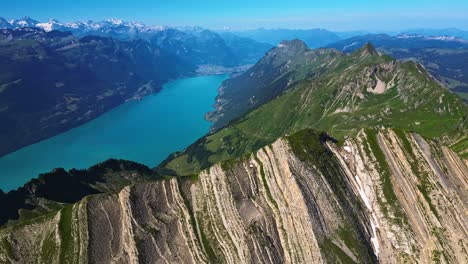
x=163, y=107
x=202, y=70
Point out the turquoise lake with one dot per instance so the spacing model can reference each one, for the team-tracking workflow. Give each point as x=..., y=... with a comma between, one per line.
x=144, y=131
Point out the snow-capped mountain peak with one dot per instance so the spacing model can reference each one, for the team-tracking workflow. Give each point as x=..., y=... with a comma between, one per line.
x=4, y=23
x=115, y=21
x=52, y=24
x=24, y=22
x=109, y=27
x=419, y=36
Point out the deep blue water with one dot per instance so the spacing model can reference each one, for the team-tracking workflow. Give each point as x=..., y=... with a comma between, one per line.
x=144, y=131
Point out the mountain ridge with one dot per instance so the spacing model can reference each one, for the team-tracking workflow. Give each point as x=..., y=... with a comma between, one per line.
x=299, y=188
x=443, y=56
x=278, y=70
x=354, y=163
x=353, y=93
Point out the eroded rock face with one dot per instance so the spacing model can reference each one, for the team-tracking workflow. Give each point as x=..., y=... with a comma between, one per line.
x=417, y=208
x=389, y=197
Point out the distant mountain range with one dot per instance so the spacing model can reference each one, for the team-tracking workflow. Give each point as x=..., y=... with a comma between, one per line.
x=185, y=41
x=410, y=41
x=110, y=27
x=452, y=32
x=118, y=28
x=314, y=38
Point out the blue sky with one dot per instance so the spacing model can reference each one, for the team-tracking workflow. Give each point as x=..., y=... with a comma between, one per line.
x=244, y=14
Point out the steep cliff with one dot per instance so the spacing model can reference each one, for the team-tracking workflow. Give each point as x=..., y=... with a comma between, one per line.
x=390, y=186
x=386, y=196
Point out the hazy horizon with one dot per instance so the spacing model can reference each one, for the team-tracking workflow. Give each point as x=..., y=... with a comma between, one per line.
x=225, y=28
x=338, y=15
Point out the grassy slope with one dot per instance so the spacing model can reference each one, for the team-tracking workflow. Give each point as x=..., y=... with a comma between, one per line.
x=414, y=103
x=270, y=77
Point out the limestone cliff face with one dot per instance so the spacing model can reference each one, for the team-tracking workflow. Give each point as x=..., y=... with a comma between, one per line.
x=415, y=193
x=388, y=197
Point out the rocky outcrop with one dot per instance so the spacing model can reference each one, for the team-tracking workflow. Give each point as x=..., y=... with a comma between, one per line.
x=442, y=57
x=388, y=197
x=414, y=192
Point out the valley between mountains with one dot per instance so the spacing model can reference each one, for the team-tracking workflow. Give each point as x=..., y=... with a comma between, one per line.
x=53, y=81
x=315, y=156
